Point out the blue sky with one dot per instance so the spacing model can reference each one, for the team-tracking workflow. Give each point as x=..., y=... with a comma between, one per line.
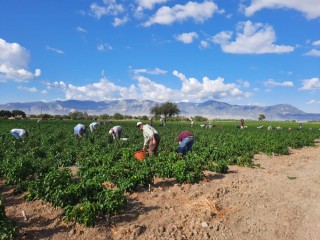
x=250, y=52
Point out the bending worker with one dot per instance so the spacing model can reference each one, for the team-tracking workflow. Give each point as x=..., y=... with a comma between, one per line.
x=93, y=126
x=115, y=132
x=80, y=130
x=19, y=133
x=185, y=140
x=151, y=138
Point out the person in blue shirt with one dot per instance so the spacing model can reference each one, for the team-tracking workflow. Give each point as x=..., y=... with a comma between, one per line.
x=80, y=130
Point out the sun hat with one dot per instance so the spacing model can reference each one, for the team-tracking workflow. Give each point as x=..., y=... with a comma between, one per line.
x=110, y=131
x=139, y=123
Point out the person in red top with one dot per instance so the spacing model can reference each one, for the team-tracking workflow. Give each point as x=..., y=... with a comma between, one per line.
x=185, y=140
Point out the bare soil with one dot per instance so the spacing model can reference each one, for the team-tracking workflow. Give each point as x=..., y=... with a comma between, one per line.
x=277, y=199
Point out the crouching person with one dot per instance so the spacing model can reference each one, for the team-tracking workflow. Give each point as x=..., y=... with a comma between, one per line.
x=115, y=132
x=19, y=133
x=79, y=130
x=151, y=138
x=185, y=140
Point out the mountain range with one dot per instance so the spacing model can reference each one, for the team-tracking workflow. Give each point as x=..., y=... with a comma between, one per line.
x=210, y=109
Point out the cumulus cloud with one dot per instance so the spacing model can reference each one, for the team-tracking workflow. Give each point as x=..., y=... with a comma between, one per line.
x=251, y=38
x=199, y=12
x=102, y=90
x=186, y=37
x=204, y=44
x=109, y=7
x=311, y=84
x=208, y=88
x=120, y=21
x=271, y=82
x=147, y=4
x=316, y=43
x=145, y=88
x=313, y=53
x=310, y=8
x=104, y=47
x=14, y=60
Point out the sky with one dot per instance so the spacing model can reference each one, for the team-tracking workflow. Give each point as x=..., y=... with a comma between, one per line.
x=245, y=52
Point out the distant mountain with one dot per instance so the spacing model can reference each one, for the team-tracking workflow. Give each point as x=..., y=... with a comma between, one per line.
x=211, y=109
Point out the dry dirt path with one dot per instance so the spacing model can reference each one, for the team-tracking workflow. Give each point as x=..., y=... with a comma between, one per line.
x=278, y=199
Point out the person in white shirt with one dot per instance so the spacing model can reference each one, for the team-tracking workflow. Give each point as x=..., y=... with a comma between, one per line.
x=19, y=133
x=151, y=138
x=93, y=126
x=115, y=132
x=80, y=130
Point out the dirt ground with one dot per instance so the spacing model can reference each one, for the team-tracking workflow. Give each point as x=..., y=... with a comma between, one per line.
x=277, y=199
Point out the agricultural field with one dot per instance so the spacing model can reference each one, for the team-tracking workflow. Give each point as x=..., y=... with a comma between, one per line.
x=39, y=167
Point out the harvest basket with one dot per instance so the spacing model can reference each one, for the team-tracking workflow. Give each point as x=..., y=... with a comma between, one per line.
x=139, y=155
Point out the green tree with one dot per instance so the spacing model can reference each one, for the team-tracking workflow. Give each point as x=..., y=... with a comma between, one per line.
x=117, y=116
x=262, y=117
x=5, y=114
x=168, y=109
x=18, y=112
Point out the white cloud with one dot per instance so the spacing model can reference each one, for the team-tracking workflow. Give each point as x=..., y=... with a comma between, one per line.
x=204, y=44
x=313, y=101
x=311, y=8
x=148, y=4
x=186, y=37
x=245, y=84
x=199, y=12
x=14, y=60
x=120, y=21
x=109, y=7
x=311, y=84
x=313, y=52
x=54, y=50
x=156, y=71
x=271, y=82
x=191, y=89
x=104, y=47
x=27, y=89
x=316, y=43
x=251, y=38
x=80, y=29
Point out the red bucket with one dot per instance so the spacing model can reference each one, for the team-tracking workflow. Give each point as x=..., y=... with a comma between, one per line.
x=140, y=155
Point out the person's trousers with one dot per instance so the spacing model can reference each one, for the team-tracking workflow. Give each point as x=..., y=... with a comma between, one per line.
x=185, y=145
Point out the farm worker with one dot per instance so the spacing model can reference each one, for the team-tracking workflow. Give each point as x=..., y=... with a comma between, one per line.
x=93, y=126
x=241, y=123
x=19, y=133
x=151, y=121
x=191, y=122
x=151, y=138
x=162, y=123
x=185, y=140
x=115, y=132
x=79, y=130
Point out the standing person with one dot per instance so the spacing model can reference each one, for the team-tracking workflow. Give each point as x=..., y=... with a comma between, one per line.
x=151, y=138
x=93, y=126
x=151, y=121
x=162, y=122
x=191, y=122
x=115, y=132
x=185, y=140
x=80, y=130
x=241, y=123
x=19, y=133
